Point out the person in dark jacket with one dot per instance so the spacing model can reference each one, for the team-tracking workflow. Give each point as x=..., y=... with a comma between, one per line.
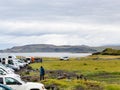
x=42, y=73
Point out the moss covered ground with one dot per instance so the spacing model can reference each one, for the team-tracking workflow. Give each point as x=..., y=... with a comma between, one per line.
x=101, y=72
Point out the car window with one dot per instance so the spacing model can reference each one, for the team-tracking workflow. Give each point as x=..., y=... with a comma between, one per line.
x=3, y=61
x=1, y=80
x=1, y=88
x=1, y=72
x=9, y=56
x=3, y=66
x=11, y=81
x=0, y=59
x=10, y=62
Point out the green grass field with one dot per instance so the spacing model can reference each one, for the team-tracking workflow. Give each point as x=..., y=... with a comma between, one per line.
x=102, y=72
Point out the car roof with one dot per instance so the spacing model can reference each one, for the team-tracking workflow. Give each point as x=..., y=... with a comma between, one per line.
x=8, y=75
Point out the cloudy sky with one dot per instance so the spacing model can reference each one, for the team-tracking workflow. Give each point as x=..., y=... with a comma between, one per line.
x=59, y=22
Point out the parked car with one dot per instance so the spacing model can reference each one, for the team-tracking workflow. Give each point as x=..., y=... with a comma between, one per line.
x=9, y=70
x=18, y=84
x=28, y=60
x=23, y=62
x=4, y=72
x=64, y=58
x=4, y=87
x=15, y=67
x=18, y=64
x=9, y=61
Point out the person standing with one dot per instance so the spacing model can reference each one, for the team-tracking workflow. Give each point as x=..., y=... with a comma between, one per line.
x=42, y=73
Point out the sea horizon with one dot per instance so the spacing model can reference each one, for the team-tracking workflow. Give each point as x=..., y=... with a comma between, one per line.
x=50, y=54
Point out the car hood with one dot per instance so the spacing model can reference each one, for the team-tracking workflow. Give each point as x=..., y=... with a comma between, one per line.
x=35, y=85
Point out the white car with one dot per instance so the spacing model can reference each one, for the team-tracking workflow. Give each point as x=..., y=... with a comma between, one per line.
x=64, y=58
x=18, y=84
x=9, y=70
x=14, y=67
x=4, y=72
x=22, y=63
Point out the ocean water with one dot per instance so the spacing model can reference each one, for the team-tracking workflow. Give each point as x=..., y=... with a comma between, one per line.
x=50, y=54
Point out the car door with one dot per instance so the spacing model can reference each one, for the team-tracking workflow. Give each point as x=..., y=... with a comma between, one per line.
x=13, y=83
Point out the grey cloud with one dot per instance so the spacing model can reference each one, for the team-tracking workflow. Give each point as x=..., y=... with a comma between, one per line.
x=89, y=10
x=85, y=21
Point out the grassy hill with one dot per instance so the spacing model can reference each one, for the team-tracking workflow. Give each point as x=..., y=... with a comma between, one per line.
x=101, y=48
x=108, y=51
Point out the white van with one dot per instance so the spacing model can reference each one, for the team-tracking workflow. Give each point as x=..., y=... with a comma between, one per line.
x=8, y=60
x=18, y=84
x=4, y=58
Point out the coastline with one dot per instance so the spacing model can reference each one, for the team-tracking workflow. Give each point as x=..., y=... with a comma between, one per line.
x=50, y=54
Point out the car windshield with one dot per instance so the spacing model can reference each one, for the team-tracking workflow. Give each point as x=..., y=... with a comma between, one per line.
x=3, y=66
x=10, y=80
x=4, y=87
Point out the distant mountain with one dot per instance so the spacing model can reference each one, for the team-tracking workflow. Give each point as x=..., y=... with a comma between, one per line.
x=50, y=48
